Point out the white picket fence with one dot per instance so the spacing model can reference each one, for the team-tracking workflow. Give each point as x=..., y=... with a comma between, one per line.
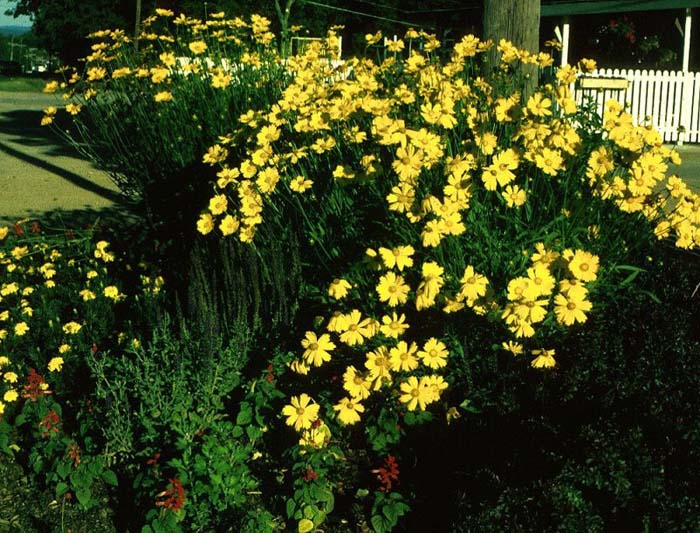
x=671, y=99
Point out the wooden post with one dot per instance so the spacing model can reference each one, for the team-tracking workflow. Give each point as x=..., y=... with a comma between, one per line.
x=137, y=25
x=686, y=102
x=565, y=42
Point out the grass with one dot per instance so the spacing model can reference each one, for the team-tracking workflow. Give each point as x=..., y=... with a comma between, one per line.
x=21, y=84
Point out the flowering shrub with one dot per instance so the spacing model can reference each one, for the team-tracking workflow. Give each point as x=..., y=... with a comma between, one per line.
x=445, y=227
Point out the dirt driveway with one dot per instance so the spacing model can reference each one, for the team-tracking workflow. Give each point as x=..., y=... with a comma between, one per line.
x=39, y=172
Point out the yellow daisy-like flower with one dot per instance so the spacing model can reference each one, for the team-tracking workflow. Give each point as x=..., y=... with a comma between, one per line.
x=399, y=257
x=64, y=348
x=357, y=328
x=10, y=377
x=513, y=347
x=229, y=225
x=573, y=306
x=300, y=412
x=473, y=284
x=10, y=396
x=317, y=436
x=197, y=47
x=55, y=364
x=205, y=224
x=584, y=266
x=414, y=394
x=403, y=357
x=21, y=329
x=544, y=359
x=393, y=326
x=4, y=361
x=163, y=96
x=4, y=230
x=434, y=353
x=300, y=184
x=392, y=289
x=356, y=384
x=218, y=204
x=71, y=328
x=349, y=411
x=112, y=292
x=317, y=349
x=339, y=288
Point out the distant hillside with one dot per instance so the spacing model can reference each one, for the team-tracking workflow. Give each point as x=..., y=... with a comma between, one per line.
x=14, y=30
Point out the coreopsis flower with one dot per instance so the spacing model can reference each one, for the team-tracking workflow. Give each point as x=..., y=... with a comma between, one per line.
x=473, y=284
x=4, y=230
x=300, y=412
x=379, y=366
x=513, y=347
x=393, y=326
x=339, y=288
x=584, y=266
x=317, y=436
x=402, y=357
x=356, y=384
x=349, y=411
x=71, y=328
x=434, y=353
x=434, y=386
x=10, y=396
x=10, y=377
x=112, y=293
x=572, y=306
x=205, y=224
x=544, y=359
x=163, y=96
x=21, y=329
x=549, y=161
x=392, y=289
x=197, y=47
x=514, y=196
x=399, y=257
x=55, y=364
x=300, y=184
x=218, y=204
x=413, y=394
x=356, y=328
x=317, y=349
x=229, y=225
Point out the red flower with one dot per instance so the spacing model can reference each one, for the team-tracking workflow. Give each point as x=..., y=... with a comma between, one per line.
x=19, y=231
x=35, y=228
x=153, y=460
x=50, y=423
x=35, y=387
x=309, y=475
x=74, y=453
x=388, y=473
x=173, y=496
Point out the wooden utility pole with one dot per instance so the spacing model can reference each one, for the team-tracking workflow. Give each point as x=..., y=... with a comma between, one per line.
x=517, y=21
x=137, y=25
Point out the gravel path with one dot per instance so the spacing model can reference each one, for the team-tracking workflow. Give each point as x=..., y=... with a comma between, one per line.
x=39, y=172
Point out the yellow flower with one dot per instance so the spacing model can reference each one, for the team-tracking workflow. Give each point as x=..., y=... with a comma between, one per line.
x=393, y=326
x=339, y=288
x=74, y=109
x=305, y=525
x=218, y=204
x=414, y=394
x=163, y=96
x=197, y=47
x=513, y=347
x=356, y=328
x=316, y=436
x=205, y=224
x=4, y=360
x=300, y=184
x=4, y=230
x=229, y=225
x=399, y=257
x=112, y=292
x=55, y=364
x=71, y=328
x=571, y=308
x=64, y=348
x=349, y=411
x=301, y=413
x=514, y=196
x=434, y=353
x=10, y=396
x=544, y=359
x=584, y=266
x=356, y=384
x=392, y=289
x=21, y=329
x=473, y=284
x=10, y=377
x=317, y=349
x=51, y=87
x=403, y=357
x=87, y=294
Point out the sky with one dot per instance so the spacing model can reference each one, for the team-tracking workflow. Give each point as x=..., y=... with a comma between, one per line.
x=10, y=21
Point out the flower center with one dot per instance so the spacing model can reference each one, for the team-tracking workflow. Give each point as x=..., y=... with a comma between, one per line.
x=300, y=411
x=571, y=306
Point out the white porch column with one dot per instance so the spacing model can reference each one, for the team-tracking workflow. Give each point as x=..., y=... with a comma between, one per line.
x=686, y=39
x=565, y=43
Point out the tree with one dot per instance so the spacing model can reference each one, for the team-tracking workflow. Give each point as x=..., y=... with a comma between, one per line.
x=517, y=21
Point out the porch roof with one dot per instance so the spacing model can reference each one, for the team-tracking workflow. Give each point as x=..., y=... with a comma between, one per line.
x=551, y=8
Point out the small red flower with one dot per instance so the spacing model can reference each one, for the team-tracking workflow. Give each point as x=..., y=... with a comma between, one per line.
x=153, y=460
x=49, y=424
x=173, y=497
x=35, y=387
x=35, y=227
x=388, y=473
x=19, y=230
x=94, y=348
x=309, y=475
x=74, y=453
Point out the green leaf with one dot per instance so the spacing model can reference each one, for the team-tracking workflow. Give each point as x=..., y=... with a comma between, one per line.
x=245, y=416
x=377, y=524
x=63, y=469
x=291, y=507
x=61, y=489
x=110, y=478
x=84, y=496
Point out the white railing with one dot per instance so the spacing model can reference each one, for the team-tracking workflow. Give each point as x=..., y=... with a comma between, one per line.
x=671, y=99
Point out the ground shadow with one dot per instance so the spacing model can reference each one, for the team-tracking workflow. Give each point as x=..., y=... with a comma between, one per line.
x=67, y=175
x=87, y=218
x=23, y=126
